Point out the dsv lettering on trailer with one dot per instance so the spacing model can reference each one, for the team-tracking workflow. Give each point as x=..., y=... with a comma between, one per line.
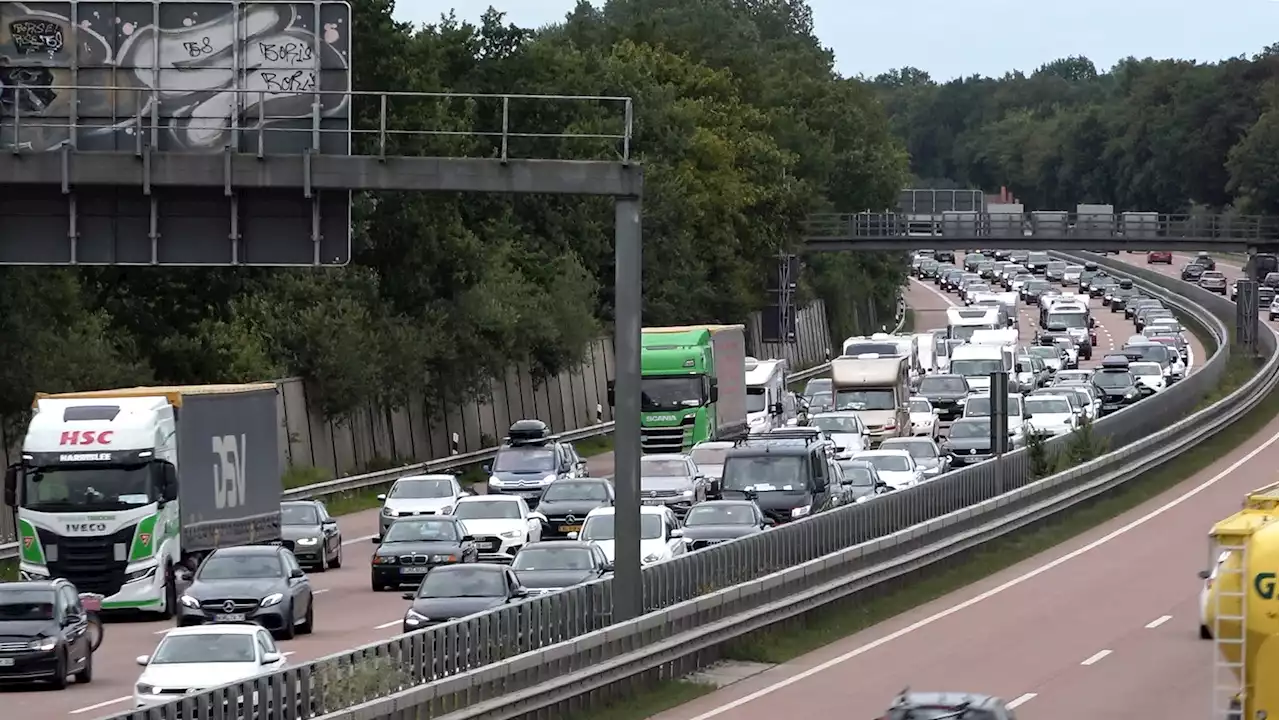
x=228, y=471
x=86, y=437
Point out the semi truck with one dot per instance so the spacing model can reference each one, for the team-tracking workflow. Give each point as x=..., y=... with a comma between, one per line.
x=120, y=490
x=693, y=386
x=1241, y=610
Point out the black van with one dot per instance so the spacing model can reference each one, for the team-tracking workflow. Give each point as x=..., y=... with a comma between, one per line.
x=788, y=477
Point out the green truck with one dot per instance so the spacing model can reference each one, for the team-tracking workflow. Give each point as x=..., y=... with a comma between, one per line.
x=693, y=386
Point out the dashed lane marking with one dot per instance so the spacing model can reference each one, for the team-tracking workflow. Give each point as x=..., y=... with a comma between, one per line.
x=1158, y=622
x=1022, y=699
x=104, y=703
x=1095, y=657
x=386, y=625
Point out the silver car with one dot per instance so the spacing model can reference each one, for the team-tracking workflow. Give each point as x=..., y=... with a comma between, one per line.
x=671, y=480
x=419, y=495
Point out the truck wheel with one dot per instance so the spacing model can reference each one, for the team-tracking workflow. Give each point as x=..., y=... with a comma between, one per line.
x=337, y=560
x=170, y=594
x=1205, y=633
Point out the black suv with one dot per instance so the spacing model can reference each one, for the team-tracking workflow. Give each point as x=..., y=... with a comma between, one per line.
x=44, y=633
x=1115, y=385
x=789, y=477
x=946, y=393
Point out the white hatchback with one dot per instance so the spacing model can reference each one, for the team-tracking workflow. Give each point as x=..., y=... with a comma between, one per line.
x=896, y=467
x=191, y=659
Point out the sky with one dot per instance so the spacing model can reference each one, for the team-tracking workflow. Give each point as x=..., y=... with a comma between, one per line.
x=950, y=39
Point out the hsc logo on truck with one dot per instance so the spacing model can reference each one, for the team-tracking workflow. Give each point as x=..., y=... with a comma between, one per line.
x=87, y=437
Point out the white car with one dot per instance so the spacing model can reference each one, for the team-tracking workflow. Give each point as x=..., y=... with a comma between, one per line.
x=844, y=429
x=1050, y=414
x=191, y=659
x=1051, y=356
x=660, y=535
x=1072, y=376
x=1149, y=374
x=500, y=524
x=1206, y=631
x=419, y=495
x=896, y=467
x=1274, y=313
x=924, y=419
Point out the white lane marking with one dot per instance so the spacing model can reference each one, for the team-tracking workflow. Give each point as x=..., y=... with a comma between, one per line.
x=935, y=291
x=1095, y=657
x=102, y=704
x=386, y=625
x=1158, y=622
x=353, y=541
x=1029, y=575
x=321, y=590
x=291, y=652
x=1022, y=699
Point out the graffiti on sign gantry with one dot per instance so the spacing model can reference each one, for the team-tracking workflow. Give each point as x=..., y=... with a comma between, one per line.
x=201, y=69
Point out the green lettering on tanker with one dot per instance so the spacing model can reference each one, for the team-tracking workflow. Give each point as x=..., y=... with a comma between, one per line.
x=32, y=550
x=144, y=539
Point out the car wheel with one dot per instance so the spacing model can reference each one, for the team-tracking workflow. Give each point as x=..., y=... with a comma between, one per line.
x=289, y=630
x=377, y=586
x=309, y=624
x=337, y=559
x=85, y=676
x=59, y=681
x=324, y=561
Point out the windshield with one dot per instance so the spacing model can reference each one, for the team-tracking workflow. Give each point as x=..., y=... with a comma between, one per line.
x=919, y=407
x=658, y=467
x=1045, y=352
x=856, y=474
x=709, y=456
x=964, y=332
x=553, y=558
x=887, y=463
x=1075, y=268
x=1064, y=320
x=487, y=510
x=866, y=399
x=423, y=531
x=1112, y=379
x=87, y=489
x=205, y=648
x=462, y=581
x=971, y=429
x=1145, y=368
x=1037, y=257
x=973, y=368
x=26, y=605
x=671, y=393
x=1056, y=266
x=847, y=424
x=591, y=491
x=884, y=349
x=421, y=489
x=765, y=474
x=237, y=567
x=525, y=460
x=1048, y=406
x=980, y=406
x=600, y=527
x=756, y=399
x=720, y=515
x=918, y=449
x=944, y=385
x=299, y=515
x=1154, y=352
x=820, y=400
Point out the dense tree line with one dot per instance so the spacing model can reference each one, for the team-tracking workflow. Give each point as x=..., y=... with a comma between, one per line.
x=740, y=120
x=1156, y=135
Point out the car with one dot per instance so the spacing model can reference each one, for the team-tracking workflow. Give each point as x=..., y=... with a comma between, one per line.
x=1213, y=281
x=414, y=545
x=661, y=537
x=716, y=521
x=263, y=584
x=194, y=659
x=1163, y=257
x=969, y=441
x=414, y=495
x=1274, y=312
x=449, y=592
x=1149, y=375
x=980, y=406
x=1208, y=576
x=500, y=524
x=845, y=429
x=924, y=451
x=45, y=633
x=708, y=455
x=896, y=467
x=311, y=533
x=1115, y=385
x=910, y=705
x=1192, y=271
x=946, y=393
x=924, y=418
x=1051, y=414
x=1050, y=355
x=565, y=503
x=673, y=480
x=1206, y=261
x=1077, y=395
x=1071, y=275
x=545, y=567
x=862, y=480
x=529, y=460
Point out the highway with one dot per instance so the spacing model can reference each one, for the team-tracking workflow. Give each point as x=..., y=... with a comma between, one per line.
x=1103, y=626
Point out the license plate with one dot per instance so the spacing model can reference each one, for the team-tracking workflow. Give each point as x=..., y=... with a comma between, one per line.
x=487, y=546
x=653, y=501
x=414, y=570
x=229, y=617
x=570, y=528
x=6, y=662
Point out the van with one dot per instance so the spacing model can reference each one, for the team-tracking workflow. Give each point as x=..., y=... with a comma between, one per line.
x=962, y=322
x=977, y=363
x=769, y=403
x=878, y=389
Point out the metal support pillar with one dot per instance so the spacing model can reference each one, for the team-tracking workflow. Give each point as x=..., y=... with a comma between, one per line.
x=1247, y=316
x=628, y=590
x=1001, y=423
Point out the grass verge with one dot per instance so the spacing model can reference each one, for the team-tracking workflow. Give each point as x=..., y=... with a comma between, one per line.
x=658, y=698
x=786, y=641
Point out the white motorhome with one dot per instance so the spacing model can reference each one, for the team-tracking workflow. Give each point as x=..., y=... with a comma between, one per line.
x=769, y=403
x=926, y=357
x=878, y=389
x=977, y=362
x=962, y=322
x=1005, y=337
x=885, y=345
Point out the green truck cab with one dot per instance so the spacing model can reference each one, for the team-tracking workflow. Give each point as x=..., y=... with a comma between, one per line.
x=693, y=386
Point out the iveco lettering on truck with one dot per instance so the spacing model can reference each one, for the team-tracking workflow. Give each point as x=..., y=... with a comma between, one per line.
x=693, y=386
x=117, y=489
x=877, y=388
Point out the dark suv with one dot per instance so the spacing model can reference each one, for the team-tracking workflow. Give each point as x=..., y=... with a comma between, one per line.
x=1115, y=385
x=788, y=477
x=44, y=633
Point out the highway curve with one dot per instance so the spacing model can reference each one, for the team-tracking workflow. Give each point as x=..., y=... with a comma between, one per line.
x=1103, y=626
x=1228, y=267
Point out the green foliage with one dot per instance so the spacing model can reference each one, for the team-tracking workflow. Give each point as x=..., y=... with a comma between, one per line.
x=741, y=123
x=1039, y=457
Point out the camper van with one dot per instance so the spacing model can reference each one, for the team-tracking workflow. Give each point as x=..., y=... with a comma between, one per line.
x=885, y=345
x=963, y=321
x=977, y=362
x=926, y=359
x=769, y=404
x=878, y=389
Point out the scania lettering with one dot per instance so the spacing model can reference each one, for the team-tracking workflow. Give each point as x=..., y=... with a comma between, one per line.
x=173, y=472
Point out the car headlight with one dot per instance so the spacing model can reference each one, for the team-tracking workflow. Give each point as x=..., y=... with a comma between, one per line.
x=145, y=689
x=446, y=509
x=496, y=482
x=651, y=558
x=189, y=601
x=384, y=559
x=413, y=617
x=43, y=643
x=800, y=511
x=308, y=541
x=388, y=512
x=444, y=558
x=547, y=480
x=1132, y=393
x=862, y=499
x=687, y=493
x=512, y=534
x=272, y=599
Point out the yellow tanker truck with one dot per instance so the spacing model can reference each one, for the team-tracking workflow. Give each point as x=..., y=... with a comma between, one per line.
x=1241, y=610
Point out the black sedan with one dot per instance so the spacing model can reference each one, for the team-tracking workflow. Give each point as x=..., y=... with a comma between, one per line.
x=715, y=521
x=254, y=583
x=449, y=592
x=1192, y=271
x=969, y=441
x=413, y=546
x=544, y=567
x=312, y=535
x=566, y=502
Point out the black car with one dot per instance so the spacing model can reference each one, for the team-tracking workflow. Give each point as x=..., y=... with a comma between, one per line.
x=1115, y=385
x=1037, y=262
x=544, y=567
x=788, y=477
x=567, y=502
x=946, y=393
x=1192, y=271
x=1032, y=291
x=308, y=530
x=969, y=441
x=715, y=521
x=1205, y=260
x=263, y=584
x=1121, y=297
x=44, y=633
x=1100, y=288
x=412, y=546
x=449, y=592
x=945, y=256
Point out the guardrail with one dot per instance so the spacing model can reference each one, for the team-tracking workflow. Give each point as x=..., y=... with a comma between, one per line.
x=540, y=653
